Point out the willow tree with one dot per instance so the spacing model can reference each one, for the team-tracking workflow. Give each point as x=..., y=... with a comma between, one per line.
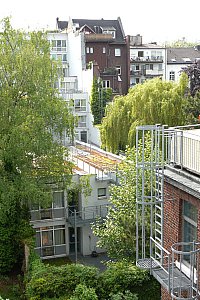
x=32, y=121
x=154, y=101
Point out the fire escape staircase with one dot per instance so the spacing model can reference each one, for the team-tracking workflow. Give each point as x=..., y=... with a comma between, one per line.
x=168, y=267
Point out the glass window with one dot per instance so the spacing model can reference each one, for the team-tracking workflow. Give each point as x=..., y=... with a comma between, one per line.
x=140, y=53
x=106, y=84
x=172, y=75
x=117, y=52
x=82, y=121
x=189, y=225
x=104, y=49
x=91, y=50
x=118, y=70
x=59, y=236
x=80, y=105
x=87, y=50
x=101, y=192
x=47, y=238
x=58, y=199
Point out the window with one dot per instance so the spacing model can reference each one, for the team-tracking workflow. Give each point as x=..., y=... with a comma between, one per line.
x=172, y=75
x=106, y=84
x=84, y=136
x=58, y=45
x=117, y=52
x=80, y=105
x=104, y=49
x=82, y=121
x=68, y=87
x=101, y=192
x=189, y=225
x=58, y=199
x=140, y=53
x=89, y=50
x=62, y=57
x=160, y=67
x=112, y=32
x=51, y=240
x=118, y=68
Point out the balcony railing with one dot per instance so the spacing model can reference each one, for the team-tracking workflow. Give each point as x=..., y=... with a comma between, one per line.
x=146, y=59
x=87, y=214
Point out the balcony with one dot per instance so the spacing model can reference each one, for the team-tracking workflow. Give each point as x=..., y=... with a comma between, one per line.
x=154, y=73
x=87, y=215
x=146, y=59
x=98, y=37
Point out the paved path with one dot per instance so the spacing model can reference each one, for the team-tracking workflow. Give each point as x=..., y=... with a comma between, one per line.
x=91, y=261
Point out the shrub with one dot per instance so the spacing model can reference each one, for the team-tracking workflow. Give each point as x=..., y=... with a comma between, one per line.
x=51, y=281
x=121, y=277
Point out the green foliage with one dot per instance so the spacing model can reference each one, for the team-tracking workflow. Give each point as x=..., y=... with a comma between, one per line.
x=52, y=281
x=121, y=277
x=82, y=292
x=99, y=99
x=153, y=102
x=126, y=296
x=33, y=120
x=118, y=233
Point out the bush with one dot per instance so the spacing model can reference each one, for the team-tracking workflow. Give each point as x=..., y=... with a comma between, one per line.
x=82, y=292
x=51, y=281
x=122, y=277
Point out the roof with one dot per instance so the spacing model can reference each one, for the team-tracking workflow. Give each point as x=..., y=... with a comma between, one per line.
x=97, y=25
x=89, y=159
x=182, y=55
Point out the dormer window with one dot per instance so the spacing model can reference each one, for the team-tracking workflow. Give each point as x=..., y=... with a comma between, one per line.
x=109, y=30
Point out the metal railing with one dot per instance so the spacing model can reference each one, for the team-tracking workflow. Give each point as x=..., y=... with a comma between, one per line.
x=87, y=214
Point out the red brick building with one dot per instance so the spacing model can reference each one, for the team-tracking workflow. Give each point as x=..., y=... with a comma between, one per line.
x=173, y=204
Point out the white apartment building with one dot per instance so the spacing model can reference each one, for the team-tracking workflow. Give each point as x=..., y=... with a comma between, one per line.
x=146, y=60
x=75, y=81
x=65, y=227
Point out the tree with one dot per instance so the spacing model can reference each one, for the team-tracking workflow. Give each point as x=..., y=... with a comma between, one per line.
x=118, y=233
x=100, y=97
x=154, y=101
x=33, y=119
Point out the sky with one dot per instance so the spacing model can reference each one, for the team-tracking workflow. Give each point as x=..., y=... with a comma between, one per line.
x=155, y=20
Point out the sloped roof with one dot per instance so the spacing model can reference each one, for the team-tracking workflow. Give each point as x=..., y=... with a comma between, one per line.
x=101, y=23
x=182, y=55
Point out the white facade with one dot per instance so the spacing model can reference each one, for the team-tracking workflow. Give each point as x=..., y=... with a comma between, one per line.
x=64, y=228
x=76, y=81
x=146, y=62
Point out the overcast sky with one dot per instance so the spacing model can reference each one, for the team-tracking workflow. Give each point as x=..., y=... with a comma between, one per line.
x=155, y=20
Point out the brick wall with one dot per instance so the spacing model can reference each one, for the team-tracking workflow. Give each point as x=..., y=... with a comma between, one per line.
x=173, y=203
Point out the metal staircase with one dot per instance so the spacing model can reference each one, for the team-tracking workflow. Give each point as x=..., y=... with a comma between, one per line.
x=168, y=267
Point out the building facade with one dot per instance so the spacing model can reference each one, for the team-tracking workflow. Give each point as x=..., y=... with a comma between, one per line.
x=75, y=81
x=179, y=58
x=64, y=228
x=170, y=242
x=147, y=61
x=106, y=46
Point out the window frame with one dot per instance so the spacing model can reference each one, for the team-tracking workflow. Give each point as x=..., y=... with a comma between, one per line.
x=102, y=195
x=118, y=52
